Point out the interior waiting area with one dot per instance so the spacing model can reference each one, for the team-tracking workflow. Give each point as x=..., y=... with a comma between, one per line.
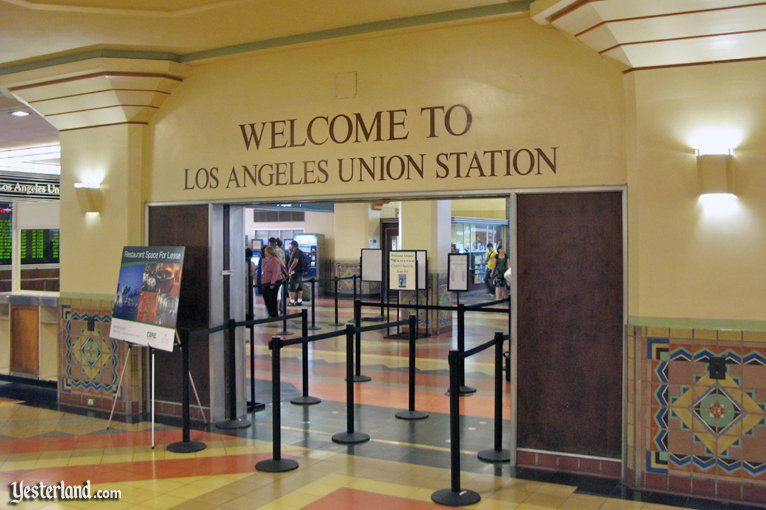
x=494, y=254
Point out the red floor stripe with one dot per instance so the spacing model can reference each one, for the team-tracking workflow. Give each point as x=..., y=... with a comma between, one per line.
x=139, y=470
x=116, y=440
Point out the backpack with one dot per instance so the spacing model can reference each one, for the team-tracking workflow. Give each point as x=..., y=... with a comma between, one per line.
x=305, y=262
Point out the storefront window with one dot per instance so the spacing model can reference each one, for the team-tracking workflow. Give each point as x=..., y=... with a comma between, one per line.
x=471, y=235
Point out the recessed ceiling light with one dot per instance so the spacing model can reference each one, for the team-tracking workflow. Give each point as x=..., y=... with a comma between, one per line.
x=20, y=113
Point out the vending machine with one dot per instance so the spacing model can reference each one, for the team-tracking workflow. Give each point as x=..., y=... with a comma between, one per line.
x=312, y=245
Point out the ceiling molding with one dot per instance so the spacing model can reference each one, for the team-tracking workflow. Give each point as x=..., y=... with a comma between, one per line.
x=88, y=55
x=364, y=28
x=500, y=9
x=157, y=12
x=666, y=15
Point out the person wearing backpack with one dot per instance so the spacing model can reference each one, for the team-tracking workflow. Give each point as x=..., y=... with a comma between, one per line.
x=295, y=269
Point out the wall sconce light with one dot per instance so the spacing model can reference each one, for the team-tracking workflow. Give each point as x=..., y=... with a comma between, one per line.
x=715, y=173
x=89, y=197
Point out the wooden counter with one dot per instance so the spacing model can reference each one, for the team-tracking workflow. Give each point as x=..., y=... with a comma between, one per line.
x=29, y=328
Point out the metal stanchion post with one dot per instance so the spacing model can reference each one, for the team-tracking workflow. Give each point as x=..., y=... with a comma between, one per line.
x=285, y=295
x=350, y=437
x=277, y=464
x=358, y=377
x=455, y=496
x=313, y=305
x=233, y=422
x=252, y=405
x=335, y=290
x=411, y=413
x=186, y=445
x=464, y=390
x=510, y=327
x=305, y=399
x=497, y=454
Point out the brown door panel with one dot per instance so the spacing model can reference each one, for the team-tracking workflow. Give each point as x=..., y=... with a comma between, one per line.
x=570, y=293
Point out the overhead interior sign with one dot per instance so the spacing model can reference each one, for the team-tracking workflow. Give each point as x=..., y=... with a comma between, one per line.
x=29, y=186
x=148, y=289
x=265, y=165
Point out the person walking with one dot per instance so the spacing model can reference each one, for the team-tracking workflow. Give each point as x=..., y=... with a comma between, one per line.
x=271, y=280
x=498, y=273
x=490, y=259
x=295, y=274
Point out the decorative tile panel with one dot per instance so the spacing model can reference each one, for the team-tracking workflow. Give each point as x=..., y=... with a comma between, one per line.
x=702, y=424
x=90, y=356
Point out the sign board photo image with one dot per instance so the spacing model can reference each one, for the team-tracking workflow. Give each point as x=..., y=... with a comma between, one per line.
x=146, y=303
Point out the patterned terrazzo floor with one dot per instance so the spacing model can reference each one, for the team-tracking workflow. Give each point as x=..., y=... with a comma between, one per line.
x=400, y=468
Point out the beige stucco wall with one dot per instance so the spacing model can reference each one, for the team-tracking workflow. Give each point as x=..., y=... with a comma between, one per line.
x=91, y=244
x=493, y=208
x=526, y=87
x=687, y=261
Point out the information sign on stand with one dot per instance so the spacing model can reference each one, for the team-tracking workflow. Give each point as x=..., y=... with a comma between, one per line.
x=148, y=289
x=402, y=270
x=457, y=269
x=372, y=265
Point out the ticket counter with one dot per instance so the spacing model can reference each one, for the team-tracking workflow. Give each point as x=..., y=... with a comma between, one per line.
x=29, y=284
x=29, y=335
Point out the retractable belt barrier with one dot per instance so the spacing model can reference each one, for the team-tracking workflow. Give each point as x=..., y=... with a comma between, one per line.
x=461, y=310
x=455, y=495
x=186, y=445
x=334, y=280
x=277, y=464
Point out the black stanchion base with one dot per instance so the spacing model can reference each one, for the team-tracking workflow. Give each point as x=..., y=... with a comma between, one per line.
x=360, y=378
x=397, y=336
x=313, y=328
x=350, y=438
x=495, y=456
x=238, y=423
x=412, y=415
x=186, y=447
x=276, y=466
x=464, y=390
x=255, y=407
x=448, y=497
x=337, y=324
x=284, y=332
x=305, y=401
x=378, y=318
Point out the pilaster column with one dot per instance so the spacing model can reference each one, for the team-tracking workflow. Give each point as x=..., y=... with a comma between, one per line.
x=427, y=225
x=102, y=108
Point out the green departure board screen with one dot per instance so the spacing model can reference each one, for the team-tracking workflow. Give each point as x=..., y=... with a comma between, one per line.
x=6, y=231
x=40, y=246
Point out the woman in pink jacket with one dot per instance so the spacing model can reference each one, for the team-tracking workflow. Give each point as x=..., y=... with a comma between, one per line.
x=272, y=273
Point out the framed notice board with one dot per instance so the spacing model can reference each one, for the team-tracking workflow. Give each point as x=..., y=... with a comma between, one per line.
x=402, y=270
